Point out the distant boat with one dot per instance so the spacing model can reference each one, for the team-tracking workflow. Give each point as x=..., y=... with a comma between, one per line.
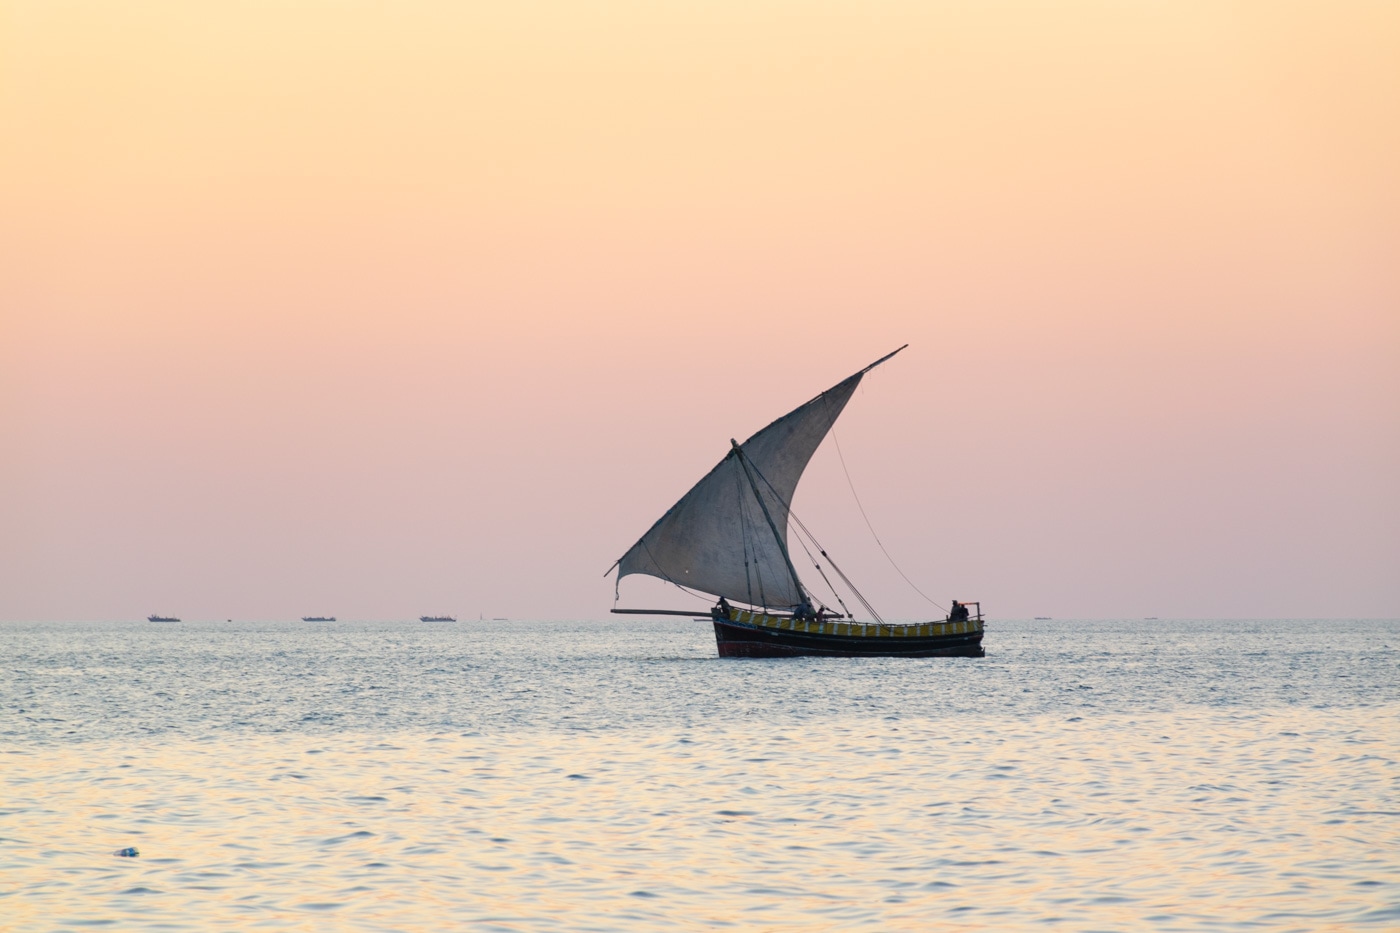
x=318, y=618
x=156, y=618
x=1042, y=618
x=436, y=619
x=728, y=537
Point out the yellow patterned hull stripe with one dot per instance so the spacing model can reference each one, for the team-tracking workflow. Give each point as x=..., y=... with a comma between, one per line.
x=856, y=629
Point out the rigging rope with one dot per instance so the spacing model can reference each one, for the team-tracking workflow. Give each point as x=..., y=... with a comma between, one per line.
x=813, y=538
x=664, y=575
x=842, y=456
x=842, y=575
x=837, y=595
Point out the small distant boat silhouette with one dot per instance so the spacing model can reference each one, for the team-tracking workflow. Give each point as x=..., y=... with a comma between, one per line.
x=436, y=619
x=1042, y=618
x=156, y=618
x=318, y=618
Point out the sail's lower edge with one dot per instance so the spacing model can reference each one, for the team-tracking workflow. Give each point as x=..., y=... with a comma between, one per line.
x=756, y=635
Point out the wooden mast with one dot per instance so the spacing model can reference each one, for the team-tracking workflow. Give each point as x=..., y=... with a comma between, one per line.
x=782, y=546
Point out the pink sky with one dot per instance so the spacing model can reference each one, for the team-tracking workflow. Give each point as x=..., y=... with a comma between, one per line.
x=380, y=309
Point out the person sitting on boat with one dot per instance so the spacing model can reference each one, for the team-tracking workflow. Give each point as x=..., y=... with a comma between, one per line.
x=724, y=607
x=959, y=612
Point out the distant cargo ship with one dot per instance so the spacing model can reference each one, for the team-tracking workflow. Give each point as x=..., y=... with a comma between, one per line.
x=318, y=618
x=156, y=618
x=436, y=619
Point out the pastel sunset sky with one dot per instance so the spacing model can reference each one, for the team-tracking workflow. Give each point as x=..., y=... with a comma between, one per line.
x=375, y=309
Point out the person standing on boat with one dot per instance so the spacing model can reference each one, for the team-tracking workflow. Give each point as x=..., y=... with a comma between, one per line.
x=958, y=613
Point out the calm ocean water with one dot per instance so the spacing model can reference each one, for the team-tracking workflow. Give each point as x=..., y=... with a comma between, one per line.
x=618, y=776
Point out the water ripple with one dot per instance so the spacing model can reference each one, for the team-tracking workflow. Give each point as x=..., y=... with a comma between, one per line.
x=579, y=776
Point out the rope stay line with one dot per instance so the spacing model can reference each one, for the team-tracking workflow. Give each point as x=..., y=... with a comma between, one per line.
x=840, y=573
x=825, y=580
x=813, y=538
x=861, y=507
x=667, y=577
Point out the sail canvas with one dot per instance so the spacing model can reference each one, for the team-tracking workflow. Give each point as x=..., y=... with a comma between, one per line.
x=716, y=539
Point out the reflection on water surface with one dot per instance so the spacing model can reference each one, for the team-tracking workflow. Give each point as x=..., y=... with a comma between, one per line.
x=599, y=776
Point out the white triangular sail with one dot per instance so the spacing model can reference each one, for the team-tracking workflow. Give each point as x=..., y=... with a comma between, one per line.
x=716, y=538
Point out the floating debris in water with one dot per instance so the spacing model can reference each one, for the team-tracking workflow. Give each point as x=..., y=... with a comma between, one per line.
x=128, y=852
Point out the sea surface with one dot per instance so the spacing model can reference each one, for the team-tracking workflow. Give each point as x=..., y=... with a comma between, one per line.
x=1105, y=775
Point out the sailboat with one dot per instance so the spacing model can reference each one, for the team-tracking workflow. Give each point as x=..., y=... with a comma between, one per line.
x=727, y=538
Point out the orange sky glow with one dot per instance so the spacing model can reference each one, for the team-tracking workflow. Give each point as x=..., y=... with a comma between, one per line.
x=377, y=309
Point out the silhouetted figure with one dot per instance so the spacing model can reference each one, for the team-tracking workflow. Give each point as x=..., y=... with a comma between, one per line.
x=958, y=613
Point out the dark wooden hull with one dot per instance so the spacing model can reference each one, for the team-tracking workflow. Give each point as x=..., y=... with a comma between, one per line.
x=741, y=639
